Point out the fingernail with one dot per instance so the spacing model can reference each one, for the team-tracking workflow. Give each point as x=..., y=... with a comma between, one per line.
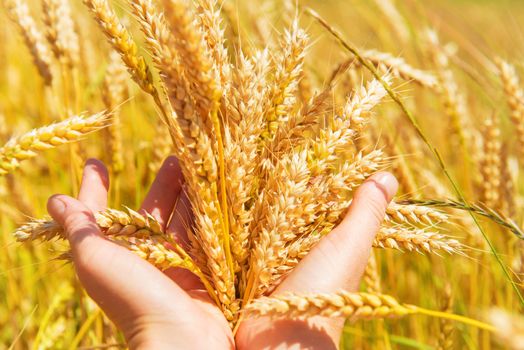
x=58, y=205
x=387, y=183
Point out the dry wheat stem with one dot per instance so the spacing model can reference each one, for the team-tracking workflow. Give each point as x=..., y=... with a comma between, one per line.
x=27, y=145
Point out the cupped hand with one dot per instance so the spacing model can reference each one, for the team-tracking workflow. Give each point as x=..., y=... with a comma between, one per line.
x=171, y=309
x=154, y=310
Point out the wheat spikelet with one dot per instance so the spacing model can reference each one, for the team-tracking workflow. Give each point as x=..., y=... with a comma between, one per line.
x=245, y=112
x=389, y=64
x=114, y=92
x=515, y=99
x=162, y=46
x=275, y=215
x=507, y=203
x=196, y=59
x=371, y=275
x=141, y=234
x=490, y=166
x=340, y=304
x=60, y=31
x=341, y=130
x=398, y=67
x=161, y=148
x=194, y=146
x=288, y=69
x=454, y=101
x=34, y=39
x=445, y=339
x=414, y=214
x=111, y=222
x=402, y=239
x=416, y=240
x=122, y=42
x=50, y=136
x=211, y=23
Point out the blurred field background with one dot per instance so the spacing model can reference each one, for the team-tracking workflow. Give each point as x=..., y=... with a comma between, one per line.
x=42, y=306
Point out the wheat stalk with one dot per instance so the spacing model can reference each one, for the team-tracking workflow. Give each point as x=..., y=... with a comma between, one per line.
x=27, y=145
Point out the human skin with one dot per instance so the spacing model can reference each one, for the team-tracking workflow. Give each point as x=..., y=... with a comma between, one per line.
x=171, y=309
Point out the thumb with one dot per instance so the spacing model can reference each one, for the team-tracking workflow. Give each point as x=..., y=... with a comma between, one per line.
x=77, y=220
x=344, y=252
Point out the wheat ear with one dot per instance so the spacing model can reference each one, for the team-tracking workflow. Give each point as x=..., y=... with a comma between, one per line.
x=114, y=92
x=341, y=304
x=60, y=31
x=50, y=136
x=345, y=304
x=515, y=99
x=122, y=42
x=288, y=70
x=34, y=39
x=142, y=234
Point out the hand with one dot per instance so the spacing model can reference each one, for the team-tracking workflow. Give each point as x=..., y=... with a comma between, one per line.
x=336, y=262
x=154, y=310
x=172, y=309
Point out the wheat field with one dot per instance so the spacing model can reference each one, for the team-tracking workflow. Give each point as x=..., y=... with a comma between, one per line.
x=277, y=111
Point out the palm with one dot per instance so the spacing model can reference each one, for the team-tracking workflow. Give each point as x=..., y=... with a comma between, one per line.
x=136, y=296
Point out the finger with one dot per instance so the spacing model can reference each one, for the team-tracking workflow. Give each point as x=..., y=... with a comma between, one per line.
x=178, y=227
x=345, y=251
x=95, y=185
x=164, y=191
x=113, y=276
